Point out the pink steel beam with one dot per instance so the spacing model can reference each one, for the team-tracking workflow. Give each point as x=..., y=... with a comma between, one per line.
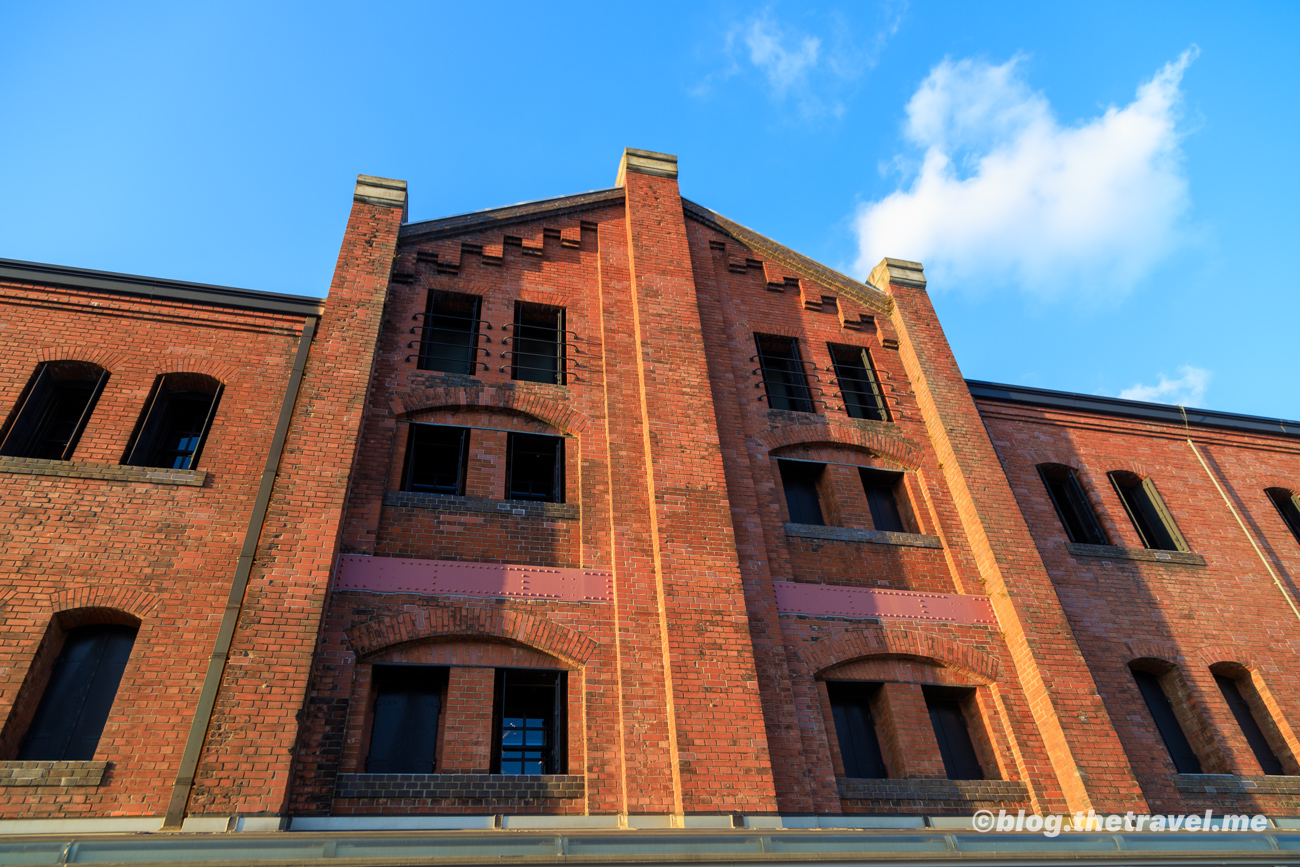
x=398, y=575
x=827, y=600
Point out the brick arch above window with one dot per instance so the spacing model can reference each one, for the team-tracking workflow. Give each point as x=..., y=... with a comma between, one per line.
x=222, y=373
x=77, y=605
x=866, y=643
x=74, y=352
x=899, y=449
x=1216, y=654
x=509, y=399
x=441, y=623
x=1114, y=464
x=1146, y=649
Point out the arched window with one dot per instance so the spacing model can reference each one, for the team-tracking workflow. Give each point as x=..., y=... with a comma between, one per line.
x=1161, y=707
x=1288, y=506
x=53, y=410
x=1072, y=506
x=74, y=706
x=1148, y=513
x=175, y=422
x=1238, y=692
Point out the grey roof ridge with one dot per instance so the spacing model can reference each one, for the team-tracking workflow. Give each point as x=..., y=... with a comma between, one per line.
x=507, y=214
x=864, y=293
x=1158, y=412
x=15, y=270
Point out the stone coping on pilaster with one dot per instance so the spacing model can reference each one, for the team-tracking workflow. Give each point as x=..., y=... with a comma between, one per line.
x=1231, y=784
x=853, y=534
x=488, y=787
x=1145, y=555
x=863, y=789
x=508, y=508
x=51, y=773
x=106, y=472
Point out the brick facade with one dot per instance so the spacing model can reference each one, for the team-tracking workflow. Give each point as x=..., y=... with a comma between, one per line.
x=688, y=681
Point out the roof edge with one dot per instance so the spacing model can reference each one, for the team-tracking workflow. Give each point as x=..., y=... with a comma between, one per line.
x=863, y=293
x=1155, y=412
x=503, y=216
x=15, y=270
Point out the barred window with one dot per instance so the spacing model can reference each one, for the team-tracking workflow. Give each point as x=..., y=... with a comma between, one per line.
x=537, y=344
x=783, y=373
x=53, y=410
x=450, y=335
x=859, y=385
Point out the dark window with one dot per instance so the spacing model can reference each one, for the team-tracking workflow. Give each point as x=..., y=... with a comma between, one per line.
x=537, y=347
x=1072, y=505
x=960, y=761
x=1162, y=711
x=436, y=459
x=799, y=478
x=175, y=422
x=1288, y=505
x=75, y=705
x=54, y=410
x=859, y=386
x=450, y=339
x=535, y=468
x=1148, y=513
x=783, y=373
x=856, y=729
x=881, y=499
x=530, y=722
x=1231, y=690
x=404, y=727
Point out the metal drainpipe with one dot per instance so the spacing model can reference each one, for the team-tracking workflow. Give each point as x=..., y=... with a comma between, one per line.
x=235, y=601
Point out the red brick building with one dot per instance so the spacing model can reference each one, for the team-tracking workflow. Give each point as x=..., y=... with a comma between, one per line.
x=606, y=506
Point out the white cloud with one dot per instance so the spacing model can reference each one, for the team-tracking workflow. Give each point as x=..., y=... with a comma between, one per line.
x=1188, y=389
x=784, y=58
x=1003, y=193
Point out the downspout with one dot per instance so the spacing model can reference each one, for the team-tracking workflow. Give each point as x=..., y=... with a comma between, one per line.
x=235, y=601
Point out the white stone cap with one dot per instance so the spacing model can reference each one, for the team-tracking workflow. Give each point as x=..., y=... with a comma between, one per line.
x=645, y=163
x=900, y=271
x=384, y=192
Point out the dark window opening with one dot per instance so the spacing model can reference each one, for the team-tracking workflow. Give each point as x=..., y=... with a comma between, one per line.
x=1072, y=505
x=404, y=724
x=537, y=347
x=1171, y=732
x=855, y=729
x=783, y=373
x=1268, y=760
x=1288, y=505
x=176, y=422
x=882, y=499
x=450, y=336
x=74, y=707
x=437, y=457
x=960, y=761
x=800, y=478
x=535, y=468
x=859, y=385
x=529, y=722
x=54, y=410
x=1147, y=511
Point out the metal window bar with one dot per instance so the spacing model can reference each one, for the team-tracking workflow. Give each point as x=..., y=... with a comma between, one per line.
x=450, y=335
x=537, y=352
x=784, y=376
x=858, y=385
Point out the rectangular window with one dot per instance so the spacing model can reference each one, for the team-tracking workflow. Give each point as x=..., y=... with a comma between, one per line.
x=83, y=684
x=1288, y=506
x=537, y=345
x=960, y=760
x=1268, y=760
x=855, y=728
x=450, y=336
x=882, y=499
x=404, y=722
x=529, y=722
x=800, y=478
x=54, y=410
x=437, y=457
x=783, y=373
x=1162, y=712
x=535, y=468
x=1148, y=513
x=859, y=386
x=175, y=422
x=1072, y=505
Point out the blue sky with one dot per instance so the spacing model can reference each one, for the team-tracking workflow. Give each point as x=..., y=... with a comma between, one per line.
x=1104, y=195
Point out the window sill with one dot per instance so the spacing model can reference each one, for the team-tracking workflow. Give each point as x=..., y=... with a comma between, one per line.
x=106, y=472
x=461, y=786
x=1231, y=784
x=484, y=505
x=1146, y=555
x=850, y=534
x=931, y=790
x=52, y=773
